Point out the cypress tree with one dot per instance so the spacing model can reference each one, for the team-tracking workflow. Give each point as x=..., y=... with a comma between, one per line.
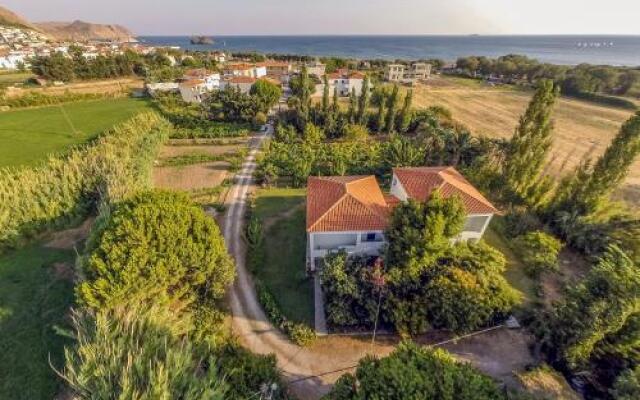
x=528, y=149
x=381, y=117
x=405, y=115
x=325, y=97
x=353, y=105
x=392, y=110
x=363, y=104
x=610, y=169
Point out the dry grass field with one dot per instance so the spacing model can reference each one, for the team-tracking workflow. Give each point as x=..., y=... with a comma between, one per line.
x=581, y=128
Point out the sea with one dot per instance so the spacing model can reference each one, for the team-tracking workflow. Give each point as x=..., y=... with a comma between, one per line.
x=564, y=50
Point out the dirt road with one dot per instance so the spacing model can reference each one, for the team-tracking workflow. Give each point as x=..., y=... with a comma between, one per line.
x=311, y=371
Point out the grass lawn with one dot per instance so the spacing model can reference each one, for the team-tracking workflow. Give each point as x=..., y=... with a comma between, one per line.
x=514, y=274
x=27, y=136
x=283, y=268
x=33, y=300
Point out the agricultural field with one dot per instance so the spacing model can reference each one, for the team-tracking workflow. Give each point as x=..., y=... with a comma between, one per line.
x=581, y=128
x=10, y=78
x=28, y=136
x=201, y=169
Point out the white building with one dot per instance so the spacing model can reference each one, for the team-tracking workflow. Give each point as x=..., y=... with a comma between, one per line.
x=193, y=91
x=13, y=60
x=244, y=83
x=345, y=81
x=211, y=79
x=351, y=213
x=316, y=68
x=407, y=74
x=162, y=87
x=248, y=70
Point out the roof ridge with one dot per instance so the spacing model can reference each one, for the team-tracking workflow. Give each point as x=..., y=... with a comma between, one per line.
x=334, y=205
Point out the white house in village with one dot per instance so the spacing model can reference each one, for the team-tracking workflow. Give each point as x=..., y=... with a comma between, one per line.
x=351, y=213
x=244, y=69
x=407, y=74
x=193, y=91
x=243, y=83
x=345, y=81
x=211, y=79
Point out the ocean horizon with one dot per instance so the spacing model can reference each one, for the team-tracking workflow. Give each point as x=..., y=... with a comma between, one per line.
x=619, y=50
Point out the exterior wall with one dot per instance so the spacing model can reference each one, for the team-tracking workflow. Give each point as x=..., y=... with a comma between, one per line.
x=259, y=72
x=345, y=86
x=212, y=81
x=320, y=244
x=475, y=235
x=316, y=69
x=192, y=94
x=394, y=72
x=244, y=87
x=397, y=189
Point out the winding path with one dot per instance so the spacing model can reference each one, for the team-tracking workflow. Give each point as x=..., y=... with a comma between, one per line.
x=311, y=371
x=253, y=328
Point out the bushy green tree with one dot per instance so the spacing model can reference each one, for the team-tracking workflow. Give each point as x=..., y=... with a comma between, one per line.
x=266, y=94
x=419, y=231
x=627, y=386
x=156, y=241
x=597, y=308
x=354, y=132
x=412, y=372
x=530, y=145
x=404, y=118
x=539, y=251
x=313, y=134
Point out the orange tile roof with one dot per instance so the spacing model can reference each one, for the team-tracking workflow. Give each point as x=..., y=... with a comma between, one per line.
x=348, y=203
x=192, y=83
x=242, y=79
x=197, y=72
x=420, y=182
x=344, y=74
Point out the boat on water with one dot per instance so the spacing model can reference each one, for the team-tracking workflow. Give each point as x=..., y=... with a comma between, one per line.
x=201, y=40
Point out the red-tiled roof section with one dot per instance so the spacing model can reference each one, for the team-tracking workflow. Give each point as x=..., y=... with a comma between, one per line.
x=197, y=73
x=349, y=203
x=345, y=74
x=420, y=182
x=242, y=79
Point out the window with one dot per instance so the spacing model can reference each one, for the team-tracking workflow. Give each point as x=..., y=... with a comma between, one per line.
x=371, y=237
x=475, y=223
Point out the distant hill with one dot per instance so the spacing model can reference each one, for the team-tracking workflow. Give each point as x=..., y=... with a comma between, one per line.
x=79, y=30
x=9, y=18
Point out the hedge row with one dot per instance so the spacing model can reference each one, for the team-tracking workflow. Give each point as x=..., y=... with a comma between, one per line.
x=213, y=130
x=34, y=99
x=67, y=188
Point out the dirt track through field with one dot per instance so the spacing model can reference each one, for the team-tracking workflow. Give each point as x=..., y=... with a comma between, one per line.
x=310, y=372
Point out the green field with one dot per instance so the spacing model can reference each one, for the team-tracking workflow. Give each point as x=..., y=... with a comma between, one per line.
x=27, y=136
x=282, y=269
x=14, y=77
x=34, y=300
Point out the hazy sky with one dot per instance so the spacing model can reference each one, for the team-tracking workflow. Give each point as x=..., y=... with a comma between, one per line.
x=174, y=17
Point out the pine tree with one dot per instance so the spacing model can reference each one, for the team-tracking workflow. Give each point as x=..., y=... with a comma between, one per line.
x=405, y=115
x=528, y=149
x=392, y=110
x=334, y=105
x=363, y=103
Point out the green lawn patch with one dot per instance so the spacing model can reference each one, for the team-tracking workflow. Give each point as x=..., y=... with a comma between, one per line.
x=27, y=136
x=515, y=273
x=282, y=269
x=34, y=298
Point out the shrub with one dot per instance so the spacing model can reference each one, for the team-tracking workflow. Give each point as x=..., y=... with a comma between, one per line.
x=139, y=350
x=356, y=133
x=539, y=252
x=627, y=386
x=156, y=240
x=299, y=333
x=519, y=222
x=66, y=188
x=246, y=374
x=34, y=99
x=412, y=372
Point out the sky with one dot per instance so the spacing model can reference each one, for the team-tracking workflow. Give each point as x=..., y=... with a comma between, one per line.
x=306, y=17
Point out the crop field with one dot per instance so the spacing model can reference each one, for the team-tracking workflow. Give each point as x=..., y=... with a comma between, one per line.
x=581, y=128
x=28, y=136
